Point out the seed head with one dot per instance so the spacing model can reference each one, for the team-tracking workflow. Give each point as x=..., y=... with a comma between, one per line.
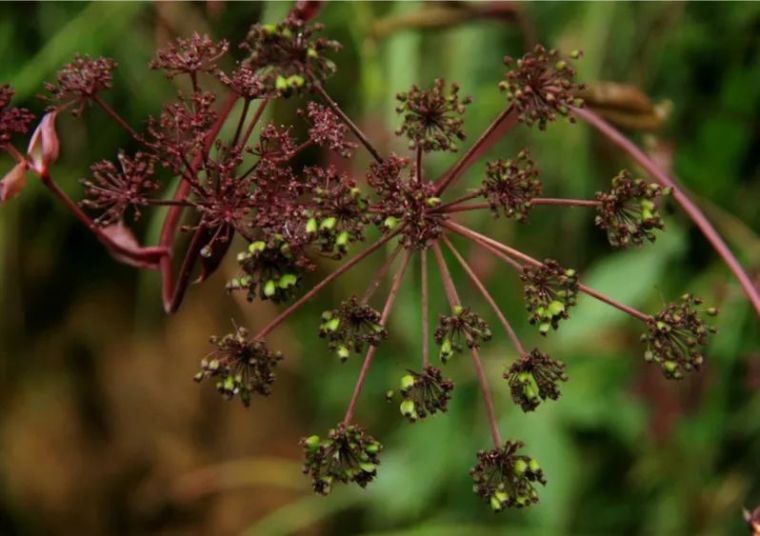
x=533, y=378
x=424, y=393
x=347, y=454
x=351, y=328
x=550, y=291
x=269, y=270
x=462, y=327
x=510, y=186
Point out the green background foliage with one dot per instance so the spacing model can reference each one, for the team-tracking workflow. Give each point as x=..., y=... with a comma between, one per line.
x=104, y=432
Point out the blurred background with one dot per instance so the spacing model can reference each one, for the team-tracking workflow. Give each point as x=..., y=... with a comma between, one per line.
x=103, y=430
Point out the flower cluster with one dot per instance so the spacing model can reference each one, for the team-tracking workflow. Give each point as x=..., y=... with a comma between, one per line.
x=424, y=393
x=192, y=55
x=241, y=366
x=13, y=120
x=114, y=189
x=462, y=327
x=541, y=85
x=351, y=328
x=503, y=478
x=80, y=81
x=510, y=185
x=550, y=290
x=271, y=271
x=287, y=55
x=347, y=454
x=628, y=212
x=533, y=378
x=327, y=130
x=675, y=336
x=432, y=119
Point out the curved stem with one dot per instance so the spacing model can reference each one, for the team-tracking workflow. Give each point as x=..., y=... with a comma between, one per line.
x=503, y=252
x=392, y=294
x=451, y=292
x=279, y=319
x=549, y=201
x=487, y=296
x=115, y=116
x=681, y=198
x=495, y=131
x=349, y=123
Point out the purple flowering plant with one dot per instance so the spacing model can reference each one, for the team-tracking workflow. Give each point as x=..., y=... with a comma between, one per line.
x=248, y=184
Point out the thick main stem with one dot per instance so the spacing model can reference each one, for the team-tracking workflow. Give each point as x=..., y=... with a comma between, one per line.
x=322, y=284
x=500, y=126
x=451, y=293
x=392, y=294
x=349, y=123
x=503, y=252
x=681, y=198
x=487, y=296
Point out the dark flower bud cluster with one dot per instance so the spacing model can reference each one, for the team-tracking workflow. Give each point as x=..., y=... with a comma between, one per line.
x=675, y=336
x=510, y=186
x=550, y=290
x=112, y=190
x=347, y=454
x=192, y=55
x=533, y=378
x=503, y=478
x=327, y=130
x=244, y=81
x=241, y=367
x=337, y=214
x=628, y=213
x=432, y=119
x=541, y=85
x=13, y=120
x=80, y=81
x=424, y=393
x=270, y=271
x=288, y=56
x=351, y=328
x=460, y=328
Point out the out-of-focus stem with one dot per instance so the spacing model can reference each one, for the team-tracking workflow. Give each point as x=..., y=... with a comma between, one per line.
x=425, y=308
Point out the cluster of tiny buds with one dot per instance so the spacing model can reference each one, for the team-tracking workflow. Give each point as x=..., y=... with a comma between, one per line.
x=242, y=367
x=270, y=271
x=351, y=328
x=432, y=119
x=462, y=327
x=628, y=212
x=541, y=85
x=347, y=454
x=503, y=478
x=550, y=290
x=13, y=120
x=424, y=393
x=511, y=185
x=533, y=378
x=675, y=335
x=80, y=81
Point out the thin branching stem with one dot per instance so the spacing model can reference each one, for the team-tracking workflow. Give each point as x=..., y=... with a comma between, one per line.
x=379, y=276
x=425, y=308
x=392, y=294
x=451, y=293
x=487, y=296
x=115, y=116
x=252, y=124
x=241, y=121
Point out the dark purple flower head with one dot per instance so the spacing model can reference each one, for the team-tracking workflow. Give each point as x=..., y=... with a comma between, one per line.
x=432, y=119
x=13, y=120
x=288, y=56
x=80, y=81
x=550, y=290
x=191, y=55
x=351, y=328
x=628, y=212
x=503, y=478
x=327, y=130
x=113, y=189
x=463, y=327
x=275, y=144
x=510, y=186
x=347, y=454
x=244, y=81
x=424, y=393
x=541, y=85
x=533, y=378
x=242, y=367
x=676, y=335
